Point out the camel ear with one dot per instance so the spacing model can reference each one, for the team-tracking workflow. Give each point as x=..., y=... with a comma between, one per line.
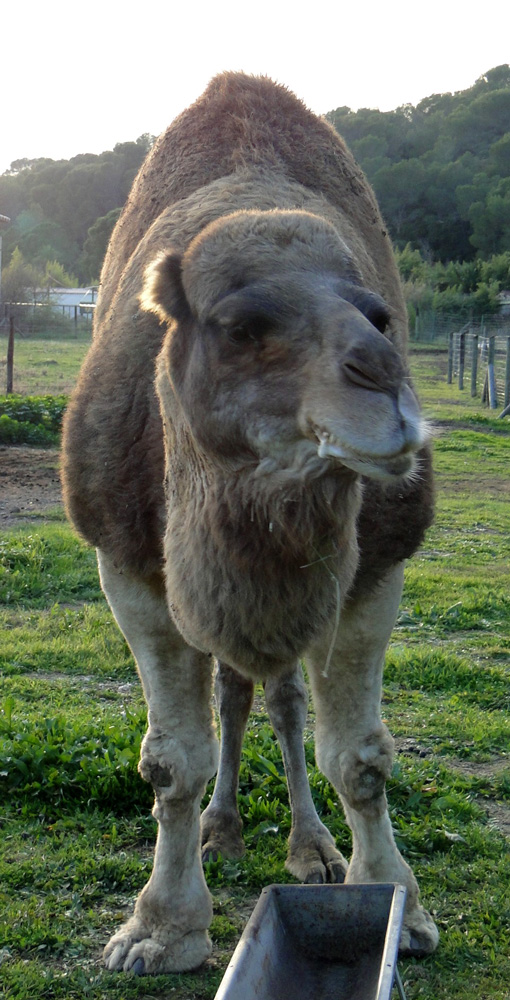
x=163, y=291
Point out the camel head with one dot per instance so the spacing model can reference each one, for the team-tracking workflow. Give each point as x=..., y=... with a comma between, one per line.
x=277, y=354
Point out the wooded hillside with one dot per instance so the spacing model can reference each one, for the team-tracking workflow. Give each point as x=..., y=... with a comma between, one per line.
x=65, y=210
x=441, y=171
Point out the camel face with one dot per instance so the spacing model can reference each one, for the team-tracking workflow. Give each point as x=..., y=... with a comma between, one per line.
x=283, y=358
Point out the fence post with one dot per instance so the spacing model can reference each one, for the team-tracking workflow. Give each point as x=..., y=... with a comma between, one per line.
x=507, y=374
x=450, y=357
x=462, y=356
x=474, y=363
x=10, y=356
x=491, y=378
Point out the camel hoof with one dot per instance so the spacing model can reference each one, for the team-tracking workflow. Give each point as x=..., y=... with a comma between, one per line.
x=314, y=878
x=333, y=873
x=420, y=937
x=134, y=950
x=336, y=872
x=314, y=859
x=221, y=835
x=210, y=854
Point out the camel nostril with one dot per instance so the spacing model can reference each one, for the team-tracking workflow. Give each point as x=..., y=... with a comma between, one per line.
x=358, y=376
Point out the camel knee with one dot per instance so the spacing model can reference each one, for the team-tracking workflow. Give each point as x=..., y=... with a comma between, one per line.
x=360, y=771
x=176, y=770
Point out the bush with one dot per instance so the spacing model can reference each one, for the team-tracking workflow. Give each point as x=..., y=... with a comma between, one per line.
x=35, y=420
x=41, y=319
x=48, y=320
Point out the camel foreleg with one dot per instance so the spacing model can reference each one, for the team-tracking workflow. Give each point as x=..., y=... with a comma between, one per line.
x=168, y=929
x=355, y=750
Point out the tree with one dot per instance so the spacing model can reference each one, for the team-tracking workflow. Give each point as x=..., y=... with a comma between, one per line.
x=401, y=189
x=19, y=279
x=47, y=241
x=56, y=275
x=437, y=168
x=499, y=156
x=497, y=78
x=497, y=268
x=95, y=245
x=490, y=221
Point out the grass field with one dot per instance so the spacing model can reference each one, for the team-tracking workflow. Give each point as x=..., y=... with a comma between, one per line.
x=44, y=366
x=77, y=836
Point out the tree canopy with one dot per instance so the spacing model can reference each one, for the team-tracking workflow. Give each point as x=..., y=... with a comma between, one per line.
x=441, y=172
x=64, y=210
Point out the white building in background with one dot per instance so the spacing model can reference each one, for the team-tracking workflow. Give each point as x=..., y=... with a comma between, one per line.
x=67, y=300
x=504, y=299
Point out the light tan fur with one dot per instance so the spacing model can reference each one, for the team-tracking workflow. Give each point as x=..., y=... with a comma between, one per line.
x=249, y=353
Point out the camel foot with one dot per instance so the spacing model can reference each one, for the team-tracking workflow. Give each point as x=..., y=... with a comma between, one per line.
x=221, y=834
x=313, y=857
x=420, y=935
x=134, y=948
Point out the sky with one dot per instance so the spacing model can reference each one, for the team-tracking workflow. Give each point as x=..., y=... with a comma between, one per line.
x=80, y=77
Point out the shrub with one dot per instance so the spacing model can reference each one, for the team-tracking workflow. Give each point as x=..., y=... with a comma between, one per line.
x=35, y=420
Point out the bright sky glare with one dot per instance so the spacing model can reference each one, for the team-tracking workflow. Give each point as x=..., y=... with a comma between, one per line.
x=78, y=78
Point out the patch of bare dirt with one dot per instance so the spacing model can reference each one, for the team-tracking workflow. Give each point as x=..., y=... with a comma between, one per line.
x=29, y=483
x=442, y=427
x=499, y=815
x=489, y=487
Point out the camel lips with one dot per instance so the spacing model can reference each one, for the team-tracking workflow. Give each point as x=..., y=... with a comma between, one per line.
x=329, y=448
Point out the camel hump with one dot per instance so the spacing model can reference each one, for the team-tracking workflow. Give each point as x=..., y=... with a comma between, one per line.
x=240, y=122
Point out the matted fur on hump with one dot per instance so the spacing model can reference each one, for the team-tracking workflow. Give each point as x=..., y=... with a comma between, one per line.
x=240, y=122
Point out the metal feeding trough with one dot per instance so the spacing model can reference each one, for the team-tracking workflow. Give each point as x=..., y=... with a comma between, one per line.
x=319, y=942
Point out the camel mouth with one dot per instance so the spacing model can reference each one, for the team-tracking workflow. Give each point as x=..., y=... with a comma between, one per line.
x=393, y=466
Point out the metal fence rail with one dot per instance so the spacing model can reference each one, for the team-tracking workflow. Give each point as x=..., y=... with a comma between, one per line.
x=483, y=358
x=30, y=317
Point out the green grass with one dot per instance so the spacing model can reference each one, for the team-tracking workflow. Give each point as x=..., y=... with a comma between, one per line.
x=77, y=835
x=46, y=366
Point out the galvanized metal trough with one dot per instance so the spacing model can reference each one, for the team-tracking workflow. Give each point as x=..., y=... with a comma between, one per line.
x=318, y=942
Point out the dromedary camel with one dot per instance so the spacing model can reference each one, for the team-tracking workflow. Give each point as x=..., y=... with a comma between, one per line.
x=246, y=452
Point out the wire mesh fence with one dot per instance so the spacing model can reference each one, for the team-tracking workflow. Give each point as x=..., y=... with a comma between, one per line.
x=480, y=357
x=32, y=318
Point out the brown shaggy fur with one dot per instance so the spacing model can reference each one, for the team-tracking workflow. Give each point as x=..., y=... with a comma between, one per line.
x=113, y=456
x=248, y=368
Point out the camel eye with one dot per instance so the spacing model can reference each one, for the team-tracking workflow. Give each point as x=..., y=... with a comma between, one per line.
x=379, y=317
x=253, y=329
x=369, y=303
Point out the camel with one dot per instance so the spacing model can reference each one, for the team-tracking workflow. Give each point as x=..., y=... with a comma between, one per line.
x=245, y=450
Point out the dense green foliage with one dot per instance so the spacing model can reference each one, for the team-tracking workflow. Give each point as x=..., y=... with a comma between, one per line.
x=441, y=170
x=54, y=205
x=466, y=289
x=31, y=419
